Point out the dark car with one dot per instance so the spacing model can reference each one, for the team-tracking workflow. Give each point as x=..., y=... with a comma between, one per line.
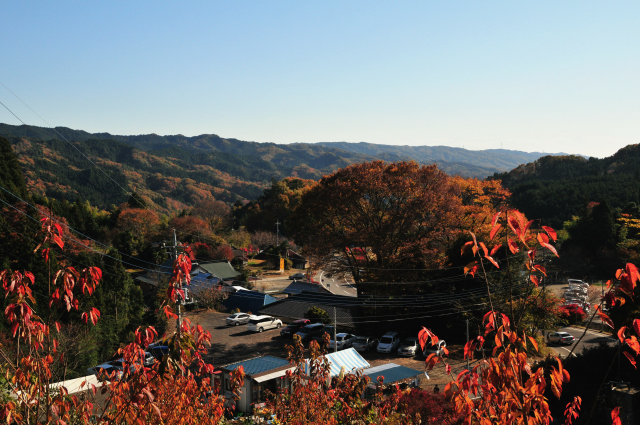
x=159, y=351
x=328, y=329
x=294, y=327
x=310, y=331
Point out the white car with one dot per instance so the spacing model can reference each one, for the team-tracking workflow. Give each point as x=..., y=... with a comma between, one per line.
x=263, y=323
x=389, y=342
x=561, y=338
x=344, y=340
x=438, y=349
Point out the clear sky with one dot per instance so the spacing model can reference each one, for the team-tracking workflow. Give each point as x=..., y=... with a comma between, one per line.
x=556, y=76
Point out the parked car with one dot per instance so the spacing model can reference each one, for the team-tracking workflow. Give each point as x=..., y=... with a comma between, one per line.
x=158, y=351
x=328, y=329
x=310, y=331
x=409, y=347
x=237, y=319
x=343, y=340
x=296, y=276
x=438, y=348
x=577, y=282
x=364, y=343
x=149, y=359
x=561, y=338
x=115, y=365
x=294, y=327
x=262, y=323
x=389, y=342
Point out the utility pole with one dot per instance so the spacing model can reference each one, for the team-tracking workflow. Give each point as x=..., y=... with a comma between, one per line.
x=179, y=297
x=335, y=325
x=277, y=232
x=467, y=343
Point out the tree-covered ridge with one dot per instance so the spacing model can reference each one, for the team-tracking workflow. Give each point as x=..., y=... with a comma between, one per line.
x=555, y=188
x=304, y=160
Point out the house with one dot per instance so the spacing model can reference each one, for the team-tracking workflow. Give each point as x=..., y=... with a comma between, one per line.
x=247, y=301
x=221, y=269
x=261, y=374
x=298, y=287
x=297, y=260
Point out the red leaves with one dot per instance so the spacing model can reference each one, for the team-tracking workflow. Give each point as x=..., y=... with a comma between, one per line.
x=615, y=416
x=535, y=280
x=572, y=410
x=471, y=268
x=513, y=247
x=631, y=359
x=534, y=342
x=552, y=233
x=424, y=335
x=621, y=332
x=468, y=349
x=169, y=313
x=92, y=315
x=494, y=231
x=605, y=319
x=145, y=337
x=636, y=326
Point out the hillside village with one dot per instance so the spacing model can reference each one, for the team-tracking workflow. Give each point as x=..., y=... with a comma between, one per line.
x=385, y=289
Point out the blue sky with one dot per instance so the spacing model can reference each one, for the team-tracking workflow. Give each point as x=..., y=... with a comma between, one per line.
x=537, y=76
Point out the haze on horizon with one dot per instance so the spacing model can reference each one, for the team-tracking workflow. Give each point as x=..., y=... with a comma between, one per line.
x=544, y=76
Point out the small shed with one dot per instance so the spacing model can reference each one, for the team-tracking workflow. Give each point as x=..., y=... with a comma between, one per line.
x=261, y=374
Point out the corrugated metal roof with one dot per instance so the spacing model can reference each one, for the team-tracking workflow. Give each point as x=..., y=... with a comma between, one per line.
x=391, y=372
x=350, y=359
x=221, y=269
x=258, y=365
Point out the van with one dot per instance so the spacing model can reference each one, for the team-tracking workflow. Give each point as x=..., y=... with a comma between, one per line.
x=262, y=323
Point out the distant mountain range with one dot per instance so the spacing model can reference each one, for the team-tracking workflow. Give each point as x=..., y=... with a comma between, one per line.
x=176, y=171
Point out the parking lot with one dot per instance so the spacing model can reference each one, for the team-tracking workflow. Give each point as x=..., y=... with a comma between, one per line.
x=235, y=343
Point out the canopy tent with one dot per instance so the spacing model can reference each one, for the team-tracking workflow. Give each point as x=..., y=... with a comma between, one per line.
x=350, y=359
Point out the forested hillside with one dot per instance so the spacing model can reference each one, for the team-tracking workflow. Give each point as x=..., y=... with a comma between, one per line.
x=555, y=188
x=172, y=172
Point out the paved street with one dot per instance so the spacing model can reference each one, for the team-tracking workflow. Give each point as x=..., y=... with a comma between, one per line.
x=592, y=338
x=336, y=286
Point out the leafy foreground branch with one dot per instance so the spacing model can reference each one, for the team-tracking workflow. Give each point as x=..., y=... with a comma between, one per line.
x=500, y=389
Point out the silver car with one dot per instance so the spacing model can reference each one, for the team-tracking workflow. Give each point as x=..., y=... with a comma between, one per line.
x=237, y=319
x=409, y=347
x=344, y=340
x=438, y=349
x=364, y=343
x=561, y=338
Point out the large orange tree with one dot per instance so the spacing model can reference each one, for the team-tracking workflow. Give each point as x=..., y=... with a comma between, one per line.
x=375, y=219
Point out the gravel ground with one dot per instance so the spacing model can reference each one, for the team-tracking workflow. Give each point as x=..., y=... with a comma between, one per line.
x=235, y=343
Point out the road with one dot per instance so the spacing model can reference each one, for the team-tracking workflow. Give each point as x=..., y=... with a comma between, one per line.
x=592, y=338
x=336, y=287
